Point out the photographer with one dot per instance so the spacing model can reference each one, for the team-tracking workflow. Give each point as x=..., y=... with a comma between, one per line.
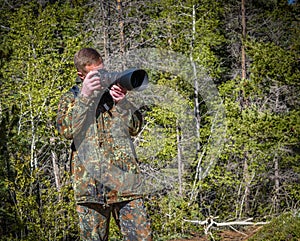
x=105, y=174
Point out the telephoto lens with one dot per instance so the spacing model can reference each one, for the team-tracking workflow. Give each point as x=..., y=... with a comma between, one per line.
x=130, y=79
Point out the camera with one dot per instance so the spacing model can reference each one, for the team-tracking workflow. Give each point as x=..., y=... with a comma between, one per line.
x=130, y=79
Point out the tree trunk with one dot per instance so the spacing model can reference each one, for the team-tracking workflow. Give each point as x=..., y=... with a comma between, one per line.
x=196, y=108
x=55, y=170
x=105, y=8
x=196, y=86
x=276, y=173
x=121, y=27
x=247, y=183
x=179, y=158
x=243, y=38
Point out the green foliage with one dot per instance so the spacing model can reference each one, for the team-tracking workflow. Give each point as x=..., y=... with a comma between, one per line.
x=258, y=136
x=42, y=211
x=172, y=27
x=41, y=42
x=220, y=203
x=168, y=214
x=273, y=62
x=283, y=227
x=37, y=45
x=164, y=117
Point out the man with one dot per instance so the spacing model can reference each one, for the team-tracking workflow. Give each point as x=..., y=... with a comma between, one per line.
x=106, y=181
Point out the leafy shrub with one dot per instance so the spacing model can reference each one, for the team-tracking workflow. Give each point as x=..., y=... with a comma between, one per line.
x=283, y=227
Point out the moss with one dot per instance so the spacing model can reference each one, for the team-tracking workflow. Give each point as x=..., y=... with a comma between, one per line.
x=283, y=227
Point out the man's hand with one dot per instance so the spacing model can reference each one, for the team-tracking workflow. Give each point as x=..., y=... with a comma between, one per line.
x=91, y=83
x=117, y=93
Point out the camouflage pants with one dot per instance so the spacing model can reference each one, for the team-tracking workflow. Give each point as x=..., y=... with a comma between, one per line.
x=130, y=217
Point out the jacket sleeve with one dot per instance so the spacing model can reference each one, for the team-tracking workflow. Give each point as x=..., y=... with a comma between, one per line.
x=73, y=114
x=131, y=115
x=64, y=115
x=83, y=115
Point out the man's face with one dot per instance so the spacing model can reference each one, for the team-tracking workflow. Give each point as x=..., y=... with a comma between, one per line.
x=88, y=68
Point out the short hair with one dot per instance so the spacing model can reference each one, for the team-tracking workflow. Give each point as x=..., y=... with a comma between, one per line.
x=85, y=57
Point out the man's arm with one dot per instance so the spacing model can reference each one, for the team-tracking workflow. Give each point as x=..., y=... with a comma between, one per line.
x=82, y=112
x=64, y=115
x=132, y=116
x=83, y=115
x=74, y=114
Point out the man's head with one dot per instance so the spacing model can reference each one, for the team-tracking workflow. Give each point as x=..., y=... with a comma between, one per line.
x=87, y=59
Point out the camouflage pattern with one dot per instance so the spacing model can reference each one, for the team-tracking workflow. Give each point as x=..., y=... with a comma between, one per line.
x=130, y=216
x=104, y=164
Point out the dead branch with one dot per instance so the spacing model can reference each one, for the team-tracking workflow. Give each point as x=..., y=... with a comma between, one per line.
x=209, y=222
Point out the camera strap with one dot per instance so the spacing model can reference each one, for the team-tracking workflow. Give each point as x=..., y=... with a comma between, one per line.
x=75, y=90
x=105, y=104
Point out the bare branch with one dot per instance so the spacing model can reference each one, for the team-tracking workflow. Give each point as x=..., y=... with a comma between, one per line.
x=209, y=222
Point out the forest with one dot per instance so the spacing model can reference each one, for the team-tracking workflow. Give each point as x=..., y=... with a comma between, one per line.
x=220, y=145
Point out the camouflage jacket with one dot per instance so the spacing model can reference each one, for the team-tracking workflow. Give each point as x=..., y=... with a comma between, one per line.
x=104, y=163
